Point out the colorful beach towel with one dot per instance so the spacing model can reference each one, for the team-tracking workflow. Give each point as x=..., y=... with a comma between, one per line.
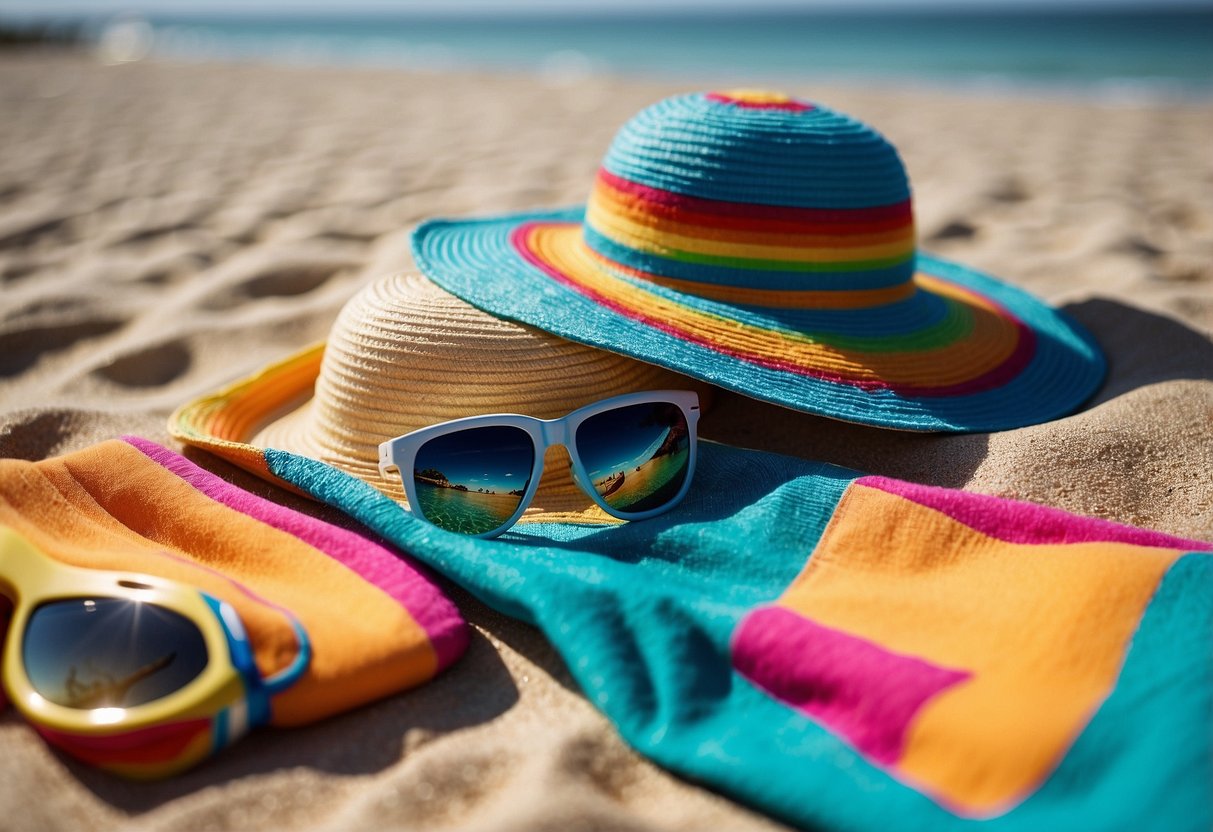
x=132, y=505
x=853, y=652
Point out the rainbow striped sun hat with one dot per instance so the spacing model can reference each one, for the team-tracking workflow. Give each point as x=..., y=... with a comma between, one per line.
x=766, y=244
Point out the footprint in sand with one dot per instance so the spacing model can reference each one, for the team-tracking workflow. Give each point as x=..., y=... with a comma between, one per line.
x=16, y=271
x=37, y=436
x=955, y=230
x=148, y=235
x=8, y=193
x=30, y=232
x=344, y=236
x=149, y=367
x=274, y=281
x=20, y=349
x=1137, y=247
x=174, y=267
x=1010, y=190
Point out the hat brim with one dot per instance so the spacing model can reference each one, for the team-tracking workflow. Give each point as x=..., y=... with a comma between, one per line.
x=272, y=410
x=978, y=354
x=225, y=422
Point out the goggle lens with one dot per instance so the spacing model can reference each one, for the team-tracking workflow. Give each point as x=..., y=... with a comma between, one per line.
x=636, y=456
x=92, y=653
x=472, y=481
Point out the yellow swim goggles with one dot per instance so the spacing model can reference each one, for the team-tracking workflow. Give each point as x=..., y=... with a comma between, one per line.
x=135, y=674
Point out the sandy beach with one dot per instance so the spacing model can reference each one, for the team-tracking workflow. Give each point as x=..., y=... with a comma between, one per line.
x=653, y=476
x=166, y=228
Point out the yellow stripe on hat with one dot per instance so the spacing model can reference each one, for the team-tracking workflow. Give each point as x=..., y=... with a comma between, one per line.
x=989, y=339
x=608, y=201
x=663, y=242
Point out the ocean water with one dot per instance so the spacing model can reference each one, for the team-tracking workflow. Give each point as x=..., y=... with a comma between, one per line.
x=1151, y=51
x=463, y=511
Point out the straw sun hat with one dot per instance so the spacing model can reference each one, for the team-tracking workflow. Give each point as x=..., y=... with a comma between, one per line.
x=404, y=354
x=766, y=245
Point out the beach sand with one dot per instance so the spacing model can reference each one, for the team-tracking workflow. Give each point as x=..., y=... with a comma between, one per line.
x=641, y=482
x=167, y=228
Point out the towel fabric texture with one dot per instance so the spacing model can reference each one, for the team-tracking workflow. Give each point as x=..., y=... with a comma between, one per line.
x=839, y=650
x=135, y=506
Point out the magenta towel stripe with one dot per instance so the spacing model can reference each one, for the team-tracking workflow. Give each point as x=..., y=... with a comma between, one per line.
x=854, y=687
x=1019, y=522
x=401, y=580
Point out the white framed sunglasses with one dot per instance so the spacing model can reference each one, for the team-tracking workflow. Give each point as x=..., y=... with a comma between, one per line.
x=633, y=455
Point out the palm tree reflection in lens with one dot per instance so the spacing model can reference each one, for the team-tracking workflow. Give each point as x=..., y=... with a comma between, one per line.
x=110, y=652
x=636, y=456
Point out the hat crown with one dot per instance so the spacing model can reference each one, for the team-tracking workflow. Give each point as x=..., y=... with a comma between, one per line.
x=404, y=354
x=752, y=191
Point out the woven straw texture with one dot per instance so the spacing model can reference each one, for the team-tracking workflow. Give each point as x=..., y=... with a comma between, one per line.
x=767, y=245
x=404, y=354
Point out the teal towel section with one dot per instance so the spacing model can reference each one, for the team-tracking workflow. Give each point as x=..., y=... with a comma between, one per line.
x=643, y=614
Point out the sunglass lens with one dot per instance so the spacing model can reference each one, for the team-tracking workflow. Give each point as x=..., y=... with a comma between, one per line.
x=110, y=652
x=473, y=480
x=636, y=456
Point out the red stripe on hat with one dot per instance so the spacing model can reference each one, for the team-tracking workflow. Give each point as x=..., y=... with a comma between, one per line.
x=901, y=211
x=635, y=206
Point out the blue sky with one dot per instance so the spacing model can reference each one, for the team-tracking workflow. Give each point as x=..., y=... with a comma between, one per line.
x=496, y=458
x=55, y=7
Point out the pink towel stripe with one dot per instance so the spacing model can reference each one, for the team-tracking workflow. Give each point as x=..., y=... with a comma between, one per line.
x=1019, y=522
x=401, y=580
x=855, y=687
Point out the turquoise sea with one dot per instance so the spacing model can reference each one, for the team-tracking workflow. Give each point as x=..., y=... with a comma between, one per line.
x=1169, y=51
x=661, y=483
x=463, y=511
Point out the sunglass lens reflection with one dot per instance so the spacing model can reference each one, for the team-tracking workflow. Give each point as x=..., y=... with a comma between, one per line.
x=636, y=456
x=110, y=652
x=472, y=481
